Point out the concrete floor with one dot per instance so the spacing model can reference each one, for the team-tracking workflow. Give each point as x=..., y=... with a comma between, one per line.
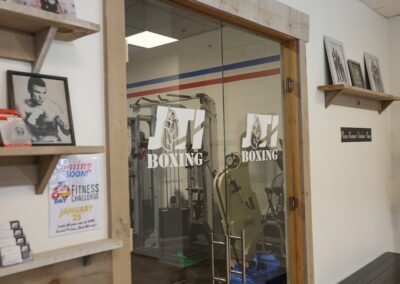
x=147, y=270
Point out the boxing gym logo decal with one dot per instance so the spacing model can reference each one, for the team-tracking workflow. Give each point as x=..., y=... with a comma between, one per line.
x=171, y=135
x=261, y=138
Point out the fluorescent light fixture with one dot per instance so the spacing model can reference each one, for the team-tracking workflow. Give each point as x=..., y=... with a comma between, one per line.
x=149, y=40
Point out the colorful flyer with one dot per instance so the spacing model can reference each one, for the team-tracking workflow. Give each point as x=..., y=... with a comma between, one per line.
x=76, y=197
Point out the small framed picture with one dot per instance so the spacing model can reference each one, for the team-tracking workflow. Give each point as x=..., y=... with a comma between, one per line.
x=25, y=248
x=14, y=133
x=20, y=240
x=18, y=233
x=44, y=104
x=373, y=72
x=55, y=6
x=14, y=224
x=337, y=61
x=356, y=74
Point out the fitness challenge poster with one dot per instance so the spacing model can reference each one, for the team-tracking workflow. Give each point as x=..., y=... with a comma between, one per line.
x=76, y=197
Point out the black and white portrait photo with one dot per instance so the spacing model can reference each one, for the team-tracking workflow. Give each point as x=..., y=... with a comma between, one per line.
x=337, y=61
x=51, y=6
x=356, y=74
x=374, y=72
x=43, y=102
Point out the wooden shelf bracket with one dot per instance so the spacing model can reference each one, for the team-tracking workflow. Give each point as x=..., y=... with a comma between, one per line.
x=47, y=164
x=27, y=32
x=43, y=40
x=330, y=97
x=35, y=165
x=87, y=260
x=385, y=105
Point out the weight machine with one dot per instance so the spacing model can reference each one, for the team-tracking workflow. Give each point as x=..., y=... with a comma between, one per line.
x=261, y=235
x=171, y=207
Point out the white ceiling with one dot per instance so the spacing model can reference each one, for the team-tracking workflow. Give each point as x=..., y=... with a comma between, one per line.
x=157, y=17
x=164, y=19
x=387, y=8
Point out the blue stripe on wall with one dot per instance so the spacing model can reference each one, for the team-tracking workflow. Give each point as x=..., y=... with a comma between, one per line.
x=211, y=70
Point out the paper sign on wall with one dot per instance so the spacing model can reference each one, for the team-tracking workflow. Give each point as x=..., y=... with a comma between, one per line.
x=76, y=197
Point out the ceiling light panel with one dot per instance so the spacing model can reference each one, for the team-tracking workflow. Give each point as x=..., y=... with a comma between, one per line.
x=149, y=39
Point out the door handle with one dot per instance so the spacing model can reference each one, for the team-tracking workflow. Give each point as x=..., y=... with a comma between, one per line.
x=227, y=245
x=228, y=257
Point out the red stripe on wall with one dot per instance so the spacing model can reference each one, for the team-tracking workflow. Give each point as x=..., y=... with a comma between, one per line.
x=186, y=86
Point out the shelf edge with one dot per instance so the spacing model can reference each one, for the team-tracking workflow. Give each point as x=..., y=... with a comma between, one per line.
x=62, y=255
x=49, y=150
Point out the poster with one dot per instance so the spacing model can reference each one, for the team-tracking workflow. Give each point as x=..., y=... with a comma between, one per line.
x=76, y=197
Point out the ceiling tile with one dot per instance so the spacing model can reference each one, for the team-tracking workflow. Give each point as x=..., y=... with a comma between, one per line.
x=387, y=8
x=390, y=11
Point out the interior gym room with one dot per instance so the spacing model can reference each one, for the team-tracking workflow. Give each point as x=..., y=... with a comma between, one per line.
x=199, y=141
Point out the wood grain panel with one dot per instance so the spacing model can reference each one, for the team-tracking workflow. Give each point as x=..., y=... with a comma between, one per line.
x=293, y=166
x=69, y=272
x=117, y=139
x=43, y=40
x=46, y=165
x=271, y=17
x=32, y=20
x=306, y=168
x=61, y=255
x=48, y=150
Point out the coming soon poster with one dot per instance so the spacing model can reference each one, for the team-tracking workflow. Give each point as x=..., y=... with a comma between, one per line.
x=76, y=197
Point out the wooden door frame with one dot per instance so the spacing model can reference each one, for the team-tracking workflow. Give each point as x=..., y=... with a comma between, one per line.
x=285, y=24
x=297, y=171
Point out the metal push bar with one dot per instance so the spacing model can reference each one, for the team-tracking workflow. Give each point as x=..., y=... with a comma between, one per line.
x=227, y=245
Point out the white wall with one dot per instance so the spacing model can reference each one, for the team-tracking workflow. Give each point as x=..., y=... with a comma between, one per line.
x=82, y=62
x=394, y=45
x=351, y=199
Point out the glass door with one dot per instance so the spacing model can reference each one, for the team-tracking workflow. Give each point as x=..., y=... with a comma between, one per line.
x=176, y=142
x=252, y=187
x=207, y=188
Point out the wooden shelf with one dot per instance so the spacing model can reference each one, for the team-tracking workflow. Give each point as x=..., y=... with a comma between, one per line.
x=35, y=165
x=26, y=32
x=350, y=96
x=85, y=251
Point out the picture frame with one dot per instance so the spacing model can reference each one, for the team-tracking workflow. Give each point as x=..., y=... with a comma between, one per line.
x=14, y=224
x=18, y=233
x=337, y=61
x=356, y=74
x=14, y=133
x=66, y=7
x=43, y=101
x=373, y=71
x=20, y=240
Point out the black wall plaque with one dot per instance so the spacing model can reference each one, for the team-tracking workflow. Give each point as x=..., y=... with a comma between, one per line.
x=356, y=134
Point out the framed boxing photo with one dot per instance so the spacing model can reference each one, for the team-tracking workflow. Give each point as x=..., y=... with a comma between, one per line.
x=356, y=74
x=337, y=61
x=374, y=75
x=44, y=104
